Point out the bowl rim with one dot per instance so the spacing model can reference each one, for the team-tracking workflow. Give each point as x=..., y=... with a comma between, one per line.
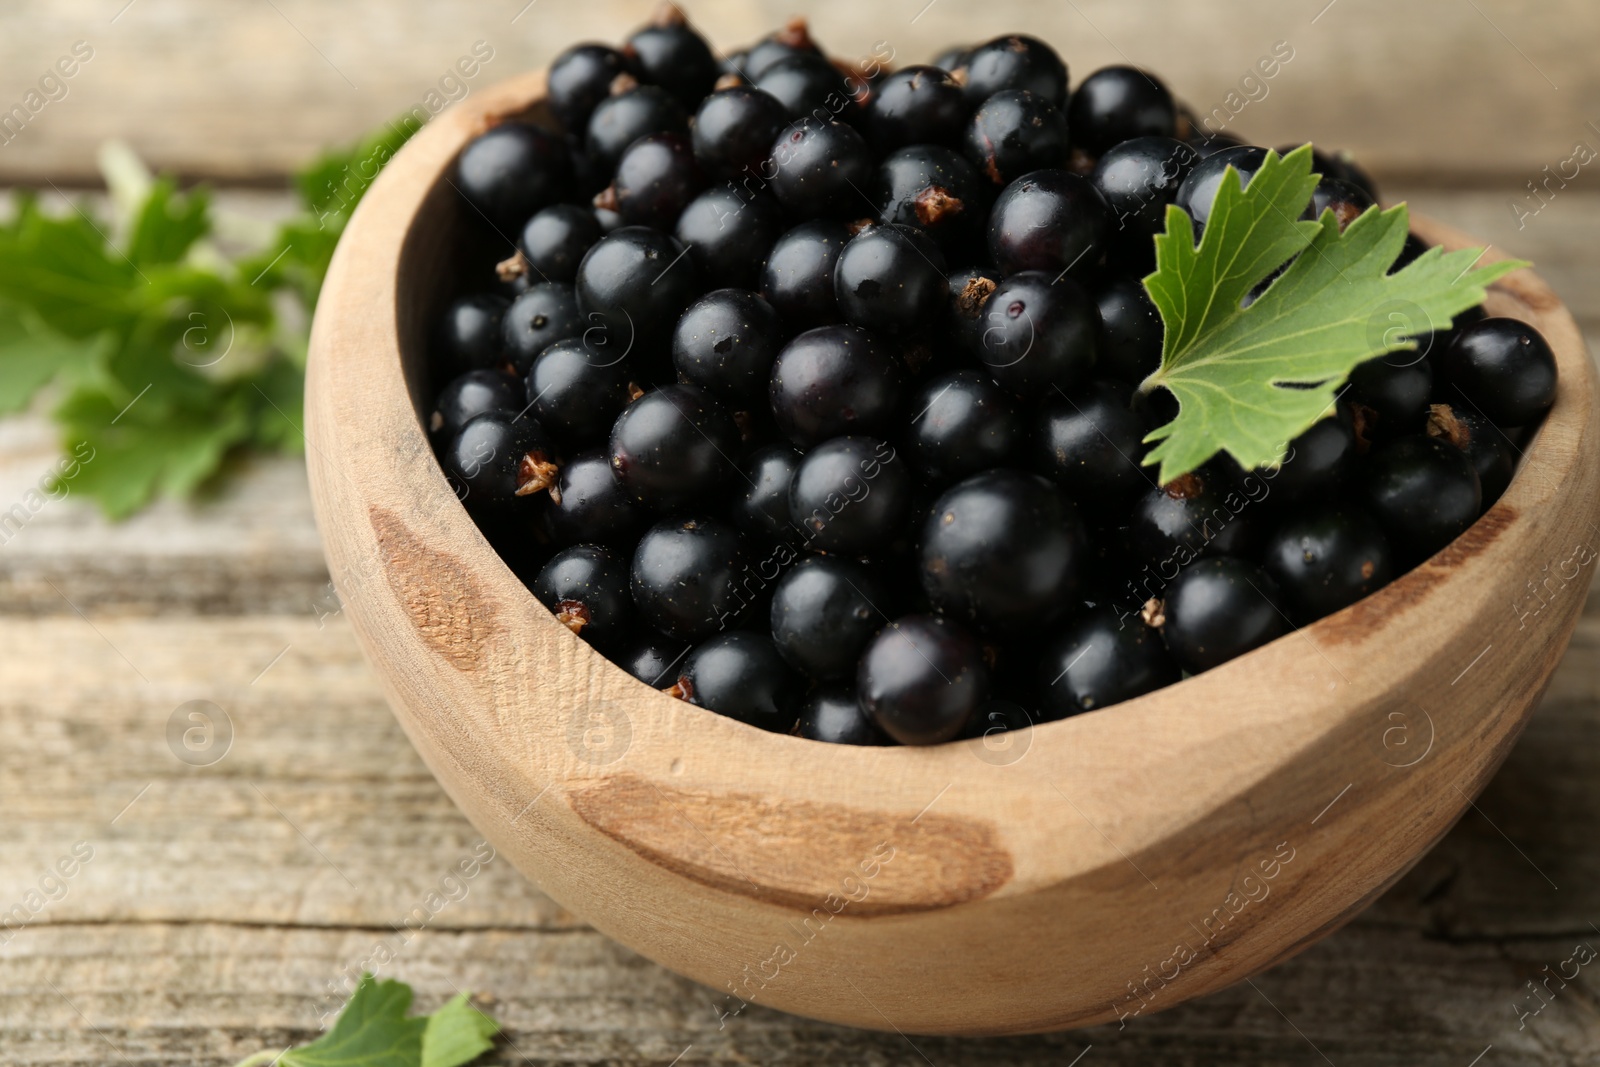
x=414, y=558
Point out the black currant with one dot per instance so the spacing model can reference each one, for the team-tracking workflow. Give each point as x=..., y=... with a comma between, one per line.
x=921, y=679
x=1116, y=104
x=935, y=190
x=960, y=423
x=1394, y=390
x=729, y=234
x=1002, y=549
x=762, y=508
x=653, y=659
x=673, y=446
x=1325, y=557
x=1097, y=660
x=1015, y=132
x=891, y=278
x=1195, y=514
x=821, y=168
x=952, y=58
x=1014, y=62
x=1493, y=455
x=1424, y=492
x=686, y=577
x=1131, y=330
x=916, y=105
x=726, y=343
x=740, y=674
x=833, y=381
x=497, y=457
x=541, y=316
x=1504, y=368
x=850, y=495
x=810, y=87
x=793, y=39
x=586, y=588
x=632, y=286
x=1089, y=441
x=469, y=335
x=1139, y=178
x=469, y=395
x=1049, y=220
x=1219, y=609
x=579, y=79
x=824, y=611
x=1319, y=460
x=513, y=170
x=575, y=395
x=655, y=180
x=556, y=238
x=797, y=278
x=1039, y=333
x=589, y=504
x=833, y=714
x=1346, y=200
x=734, y=131
x=669, y=53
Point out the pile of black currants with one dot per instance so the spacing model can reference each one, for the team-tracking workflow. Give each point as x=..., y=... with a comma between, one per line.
x=807, y=391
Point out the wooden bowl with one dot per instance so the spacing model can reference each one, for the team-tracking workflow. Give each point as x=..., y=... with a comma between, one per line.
x=1097, y=868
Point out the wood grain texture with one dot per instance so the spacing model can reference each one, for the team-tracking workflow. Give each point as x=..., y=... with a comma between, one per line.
x=205, y=927
x=244, y=90
x=1140, y=842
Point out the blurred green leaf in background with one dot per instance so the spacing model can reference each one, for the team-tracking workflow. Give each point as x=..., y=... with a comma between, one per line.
x=152, y=346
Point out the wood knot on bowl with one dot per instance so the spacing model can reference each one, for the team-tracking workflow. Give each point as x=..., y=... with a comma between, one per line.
x=800, y=854
x=437, y=591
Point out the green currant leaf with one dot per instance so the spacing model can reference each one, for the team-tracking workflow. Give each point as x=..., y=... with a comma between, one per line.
x=1251, y=379
x=457, y=1033
x=371, y=1031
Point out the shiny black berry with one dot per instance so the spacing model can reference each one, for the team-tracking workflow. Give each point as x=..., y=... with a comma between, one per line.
x=579, y=79
x=1192, y=515
x=574, y=394
x=1218, y=609
x=1394, y=389
x=728, y=234
x=673, y=446
x=810, y=87
x=1116, y=104
x=1504, y=368
x=821, y=168
x=656, y=178
x=633, y=285
x=1325, y=557
x=1015, y=132
x=586, y=589
x=1491, y=452
x=922, y=679
x=1050, y=220
x=469, y=335
x=1002, y=549
x=935, y=190
x=1424, y=492
x=687, y=577
x=734, y=131
x=797, y=278
x=512, y=171
x=824, y=611
x=1139, y=178
x=960, y=423
x=1089, y=441
x=1199, y=190
x=833, y=381
x=620, y=120
x=1131, y=330
x=726, y=343
x=541, y=316
x=653, y=659
x=890, y=278
x=1015, y=62
x=1040, y=333
x=669, y=53
x=740, y=674
x=1318, y=462
x=1099, y=659
x=589, y=504
x=555, y=239
x=916, y=105
x=1346, y=200
x=833, y=714
x=850, y=495
x=498, y=457
x=793, y=39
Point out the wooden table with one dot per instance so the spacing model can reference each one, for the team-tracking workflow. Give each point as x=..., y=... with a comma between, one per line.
x=224, y=904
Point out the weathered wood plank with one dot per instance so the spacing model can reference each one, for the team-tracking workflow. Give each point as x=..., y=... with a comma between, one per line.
x=244, y=90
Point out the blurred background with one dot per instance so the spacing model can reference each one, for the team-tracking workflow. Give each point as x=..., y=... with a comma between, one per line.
x=235, y=884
